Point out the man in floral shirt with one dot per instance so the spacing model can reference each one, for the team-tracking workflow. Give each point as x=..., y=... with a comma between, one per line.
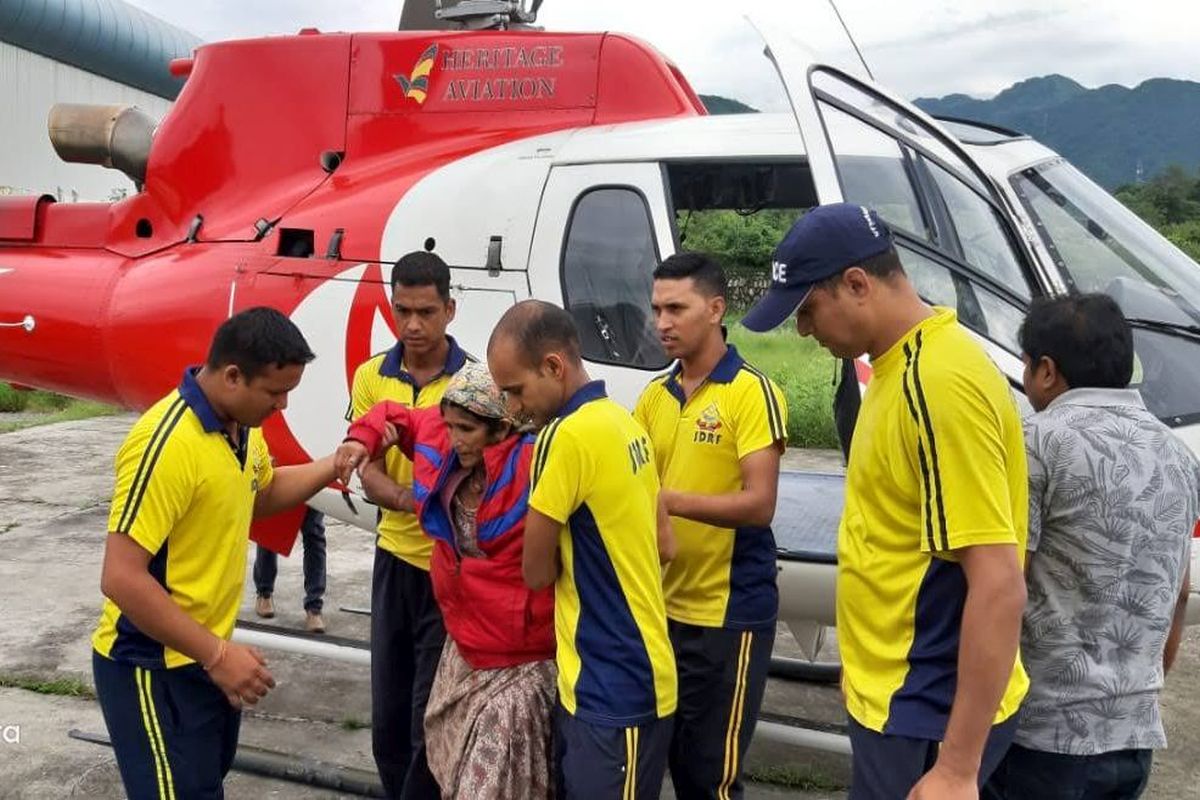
x=1114, y=499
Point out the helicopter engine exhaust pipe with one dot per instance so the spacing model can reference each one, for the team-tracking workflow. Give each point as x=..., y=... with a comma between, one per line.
x=118, y=137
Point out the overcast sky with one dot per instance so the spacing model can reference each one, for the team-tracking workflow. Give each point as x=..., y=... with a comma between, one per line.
x=916, y=47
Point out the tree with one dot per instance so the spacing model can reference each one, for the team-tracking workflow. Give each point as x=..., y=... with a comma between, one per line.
x=1170, y=198
x=1185, y=236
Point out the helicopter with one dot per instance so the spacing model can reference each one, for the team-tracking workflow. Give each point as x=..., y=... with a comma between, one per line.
x=293, y=170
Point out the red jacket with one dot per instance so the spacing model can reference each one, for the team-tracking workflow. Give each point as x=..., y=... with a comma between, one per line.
x=495, y=620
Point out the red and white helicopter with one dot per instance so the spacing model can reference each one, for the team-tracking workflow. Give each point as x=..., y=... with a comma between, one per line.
x=293, y=170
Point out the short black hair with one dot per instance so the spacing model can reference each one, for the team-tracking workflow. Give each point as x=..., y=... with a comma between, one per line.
x=886, y=265
x=1085, y=335
x=702, y=268
x=255, y=339
x=422, y=269
x=539, y=328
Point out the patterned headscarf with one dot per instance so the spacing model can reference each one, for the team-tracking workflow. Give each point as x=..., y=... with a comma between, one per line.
x=472, y=388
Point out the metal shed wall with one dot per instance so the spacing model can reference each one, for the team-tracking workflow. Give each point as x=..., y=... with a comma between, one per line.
x=109, y=38
x=29, y=85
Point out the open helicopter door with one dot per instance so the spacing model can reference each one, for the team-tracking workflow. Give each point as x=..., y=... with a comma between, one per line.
x=955, y=232
x=601, y=230
x=789, y=58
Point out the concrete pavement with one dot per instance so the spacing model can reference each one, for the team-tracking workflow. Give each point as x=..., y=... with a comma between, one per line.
x=55, y=483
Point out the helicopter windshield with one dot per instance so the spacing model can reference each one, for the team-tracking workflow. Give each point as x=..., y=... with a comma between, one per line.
x=1100, y=245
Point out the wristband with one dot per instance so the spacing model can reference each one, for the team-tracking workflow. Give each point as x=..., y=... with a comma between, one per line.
x=221, y=647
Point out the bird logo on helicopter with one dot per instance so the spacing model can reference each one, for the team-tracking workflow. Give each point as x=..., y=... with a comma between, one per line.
x=415, y=85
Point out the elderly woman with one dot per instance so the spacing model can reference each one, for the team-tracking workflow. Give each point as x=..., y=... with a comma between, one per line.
x=488, y=721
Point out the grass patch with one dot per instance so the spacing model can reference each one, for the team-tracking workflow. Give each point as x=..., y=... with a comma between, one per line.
x=48, y=402
x=808, y=779
x=48, y=407
x=353, y=724
x=35, y=402
x=62, y=687
x=12, y=400
x=5, y=527
x=804, y=372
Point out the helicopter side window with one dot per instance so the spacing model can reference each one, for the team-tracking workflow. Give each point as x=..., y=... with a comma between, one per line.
x=608, y=260
x=941, y=225
x=979, y=232
x=874, y=173
x=951, y=233
x=835, y=90
x=977, y=307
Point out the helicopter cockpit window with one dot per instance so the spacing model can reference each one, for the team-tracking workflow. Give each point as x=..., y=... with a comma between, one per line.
x=1099, y=245
x=1094, y=239
x=959, y=219
x=946, y=234
x=608, y=262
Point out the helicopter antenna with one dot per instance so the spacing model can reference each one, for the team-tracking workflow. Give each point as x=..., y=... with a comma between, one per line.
x=853, y=43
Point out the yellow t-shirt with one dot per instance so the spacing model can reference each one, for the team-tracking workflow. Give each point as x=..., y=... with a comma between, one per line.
x=720, y=577
x=185, y=493
x=593, y=472
x=937, y=464
x=384, y=377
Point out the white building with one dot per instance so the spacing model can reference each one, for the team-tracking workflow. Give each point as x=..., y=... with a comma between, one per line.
x=104, y=52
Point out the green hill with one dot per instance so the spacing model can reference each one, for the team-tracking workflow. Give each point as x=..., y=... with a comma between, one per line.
x=1115, y=134
x=724, y=105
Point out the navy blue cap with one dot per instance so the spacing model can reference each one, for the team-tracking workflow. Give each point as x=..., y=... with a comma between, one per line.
x=822, y=243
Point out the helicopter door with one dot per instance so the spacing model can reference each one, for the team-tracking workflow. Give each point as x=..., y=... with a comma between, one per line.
x=600, y=232
x=481, y=306
x=955, y=232
x=792, y=61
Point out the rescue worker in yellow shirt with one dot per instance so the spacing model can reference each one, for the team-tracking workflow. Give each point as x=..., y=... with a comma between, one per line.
x=930, y=589
x=718, y=428
x=597, y=533
x=191, y=474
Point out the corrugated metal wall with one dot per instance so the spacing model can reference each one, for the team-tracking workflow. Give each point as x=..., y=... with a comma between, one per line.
x=107, y=37
x=29, y=85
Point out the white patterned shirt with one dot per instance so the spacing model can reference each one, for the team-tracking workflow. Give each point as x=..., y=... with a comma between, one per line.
x=1114, y=498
